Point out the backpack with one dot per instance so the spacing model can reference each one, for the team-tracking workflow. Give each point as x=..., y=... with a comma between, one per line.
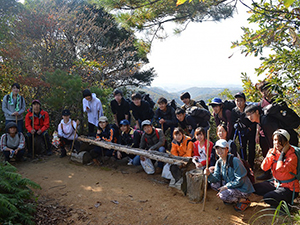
x=229, y=104
x=147, y=98
x=173, y=104
x=157, y=135
x=202, y=114
x=202, y=103
x=286, y=117
x=250, y=173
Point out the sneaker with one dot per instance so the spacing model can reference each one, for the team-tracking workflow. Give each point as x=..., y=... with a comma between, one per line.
x=242, y=205
x=130, y=161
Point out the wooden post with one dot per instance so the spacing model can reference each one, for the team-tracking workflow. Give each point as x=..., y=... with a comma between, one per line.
x=74, y=137
x=33, y=134
x=207, y=155
x=17, y=120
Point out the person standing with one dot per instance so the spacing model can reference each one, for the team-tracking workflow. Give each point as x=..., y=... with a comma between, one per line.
x=13, y=106
x=93, y=107
x=120, y=108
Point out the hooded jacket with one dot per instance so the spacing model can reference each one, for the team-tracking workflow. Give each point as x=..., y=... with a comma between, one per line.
x=95, y=109
x=183, y=148
x=67, y=130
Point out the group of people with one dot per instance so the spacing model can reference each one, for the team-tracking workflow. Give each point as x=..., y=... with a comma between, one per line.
x=188, y=127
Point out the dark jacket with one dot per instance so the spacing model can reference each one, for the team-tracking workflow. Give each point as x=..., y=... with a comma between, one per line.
x=121, y=110
x=132, y=138
x=226, y=118
x=107, y=134
x=142, y=112
x=153, y=141
x=169, y=116
x=246, y=125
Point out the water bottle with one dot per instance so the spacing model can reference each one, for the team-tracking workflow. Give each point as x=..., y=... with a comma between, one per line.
x=12, y=154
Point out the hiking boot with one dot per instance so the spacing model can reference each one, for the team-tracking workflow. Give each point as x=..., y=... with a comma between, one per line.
x=242, y=205
x=265, y=176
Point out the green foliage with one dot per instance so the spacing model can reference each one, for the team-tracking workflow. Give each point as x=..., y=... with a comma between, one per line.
x=14, y=196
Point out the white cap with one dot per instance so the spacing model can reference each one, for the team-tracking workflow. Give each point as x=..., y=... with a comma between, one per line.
x=222, y=143
x=103, y=119
x=283, y=133
x=146, y=122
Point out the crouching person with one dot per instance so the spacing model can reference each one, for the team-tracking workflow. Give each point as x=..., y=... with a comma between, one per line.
x=282, y=161
x=67, y=133
x=153, y=139
x=104, y=133
x=12, y=142
x=230, y=178
x=40, y=126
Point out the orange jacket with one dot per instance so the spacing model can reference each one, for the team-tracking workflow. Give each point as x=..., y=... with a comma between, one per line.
x=184, y=148
x=283, y=172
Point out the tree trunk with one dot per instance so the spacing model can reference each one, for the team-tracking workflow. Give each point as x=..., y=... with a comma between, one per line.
x=195, y=185
x=162, y=157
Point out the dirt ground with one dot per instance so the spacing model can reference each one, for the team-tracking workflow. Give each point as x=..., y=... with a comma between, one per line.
x=116, y=193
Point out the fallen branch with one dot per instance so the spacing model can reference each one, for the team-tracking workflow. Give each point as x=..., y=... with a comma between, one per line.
x=159, y=156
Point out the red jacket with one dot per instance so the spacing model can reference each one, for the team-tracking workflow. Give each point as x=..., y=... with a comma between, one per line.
x=41, y=121
x=283, y=172
x=196, y=151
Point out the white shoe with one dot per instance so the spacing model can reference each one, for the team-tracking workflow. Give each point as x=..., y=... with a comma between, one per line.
x=130, y=162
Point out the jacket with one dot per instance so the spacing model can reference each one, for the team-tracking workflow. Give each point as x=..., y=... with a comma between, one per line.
x=95, y=109
x=107, y=134
x=132, y=138
x=183, y=148
x=169, y=116
x=8, y=142
x=120, y=110
x=9, y=109
x=283, y=173
x=67, y=130
x=197, y=154
x=153, y=141
x=226, y=118
x=234, y=178
x=41, y=121
x=142, y=112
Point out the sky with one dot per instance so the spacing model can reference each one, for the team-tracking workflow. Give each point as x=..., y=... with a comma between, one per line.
x=199, y=56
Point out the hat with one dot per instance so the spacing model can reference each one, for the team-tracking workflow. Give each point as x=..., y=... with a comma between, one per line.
x=66, y=112
x=35, y=101
x=124, y=122
x=185, y=95
x=240, y=95
x=146, y=122
x=10, y=125
x=283, y=133
x=222, y=143
x=103, y=119
x=86, y=93
x=216, y=101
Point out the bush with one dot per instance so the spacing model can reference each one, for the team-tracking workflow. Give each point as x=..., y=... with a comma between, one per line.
x=15, y=196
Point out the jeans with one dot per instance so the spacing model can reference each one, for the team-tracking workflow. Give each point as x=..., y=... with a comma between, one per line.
x=19, y=155
x=136, y=160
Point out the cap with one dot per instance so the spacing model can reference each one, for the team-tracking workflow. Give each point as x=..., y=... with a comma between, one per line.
x=283, y=133
x=216, y=101
x=86, y=93
x=222, y=143
x=103, y=119
x=10, y=125
x=35, y=101
x=124, y=122
x=240, y=95
x=66, y=112
x=146, y=122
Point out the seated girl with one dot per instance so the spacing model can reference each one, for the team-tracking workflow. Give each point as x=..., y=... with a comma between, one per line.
x=223, y=134
x=12, y=142
x=282, y=161
x=230, y=178
x=182, y=145
x=200, y=148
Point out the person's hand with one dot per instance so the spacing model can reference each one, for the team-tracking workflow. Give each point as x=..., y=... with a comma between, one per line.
x=198, y=165
x=15, y=114
x=162, y=121
x=223, y=188
x=142, y=158
x=119, y=155
x=257, y=138
x=98, y=139
x=39, y=132
x=206, y=172
x=87, y=108
x=16, y=151
x=211, y=169
x=32, y=131
x=77, y=122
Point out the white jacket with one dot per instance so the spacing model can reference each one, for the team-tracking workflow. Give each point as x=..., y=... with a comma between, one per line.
x=95, y=109
x=66, y=130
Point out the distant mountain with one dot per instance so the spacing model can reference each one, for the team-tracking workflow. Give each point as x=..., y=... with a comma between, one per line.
x=197, y=93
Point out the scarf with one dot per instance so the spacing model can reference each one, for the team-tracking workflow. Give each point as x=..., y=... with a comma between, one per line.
x=11, y=102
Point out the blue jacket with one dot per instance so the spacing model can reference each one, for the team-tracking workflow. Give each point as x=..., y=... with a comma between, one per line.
x=235, y=177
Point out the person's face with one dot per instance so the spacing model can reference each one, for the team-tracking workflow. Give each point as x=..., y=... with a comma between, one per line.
x=216, y=108
x=180, y=117
x=253, y=116
x=200, y=137
x=124, y=128
x=147, y=129
x=12, y=130
x=15, y=90
x=222, y=152
x=186, y=101
x=178, y=137
x=222, y=134
x=277, y=145
x=118, y=97
x=66, y=118
x=266, y=93
x=137, y=101
x=240, y=103
x=36, y=107
x=88, y=98
x=102, y=124
x=162, y=106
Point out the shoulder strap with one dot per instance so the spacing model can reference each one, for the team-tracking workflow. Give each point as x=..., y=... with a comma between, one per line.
x=230, y=160
x=156, y=132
